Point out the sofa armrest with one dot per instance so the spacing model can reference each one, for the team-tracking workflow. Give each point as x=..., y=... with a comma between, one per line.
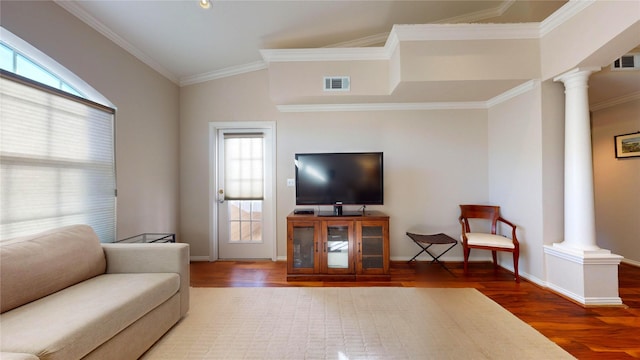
x=151, y=258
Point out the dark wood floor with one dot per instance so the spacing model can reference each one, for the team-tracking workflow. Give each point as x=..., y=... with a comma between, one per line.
x=586, y=333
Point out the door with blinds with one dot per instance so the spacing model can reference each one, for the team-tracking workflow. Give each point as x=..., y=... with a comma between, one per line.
x=244, y=193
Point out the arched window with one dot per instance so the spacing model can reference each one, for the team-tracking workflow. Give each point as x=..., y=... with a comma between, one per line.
x=14, y=62
x=57, y=163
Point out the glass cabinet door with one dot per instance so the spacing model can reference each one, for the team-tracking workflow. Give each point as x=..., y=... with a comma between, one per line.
x=372, y=252
x=338, y=248
x=303, y=248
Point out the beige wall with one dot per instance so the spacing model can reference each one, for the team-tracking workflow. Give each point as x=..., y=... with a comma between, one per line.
x=288, y=81
x=428, y=155
x=239, y=98
x=611, y=28
x=465, y=60
x=515, y=172
x=552, y=123
x=433, y=161
x=525, y=170
x=616, y=181
x=146, y=117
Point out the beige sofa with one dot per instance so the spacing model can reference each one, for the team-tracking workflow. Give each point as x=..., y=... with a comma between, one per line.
x=64, y=295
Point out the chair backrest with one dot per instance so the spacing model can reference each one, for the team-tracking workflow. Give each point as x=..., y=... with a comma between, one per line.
x=488, y=212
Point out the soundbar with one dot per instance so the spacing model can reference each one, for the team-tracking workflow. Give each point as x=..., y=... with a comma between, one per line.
x=303, y=211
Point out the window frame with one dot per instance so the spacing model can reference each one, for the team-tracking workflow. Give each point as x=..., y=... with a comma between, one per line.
x=47, y=63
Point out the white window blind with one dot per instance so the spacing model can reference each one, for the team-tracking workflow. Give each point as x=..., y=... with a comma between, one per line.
x=56, y=161
x=244, y=166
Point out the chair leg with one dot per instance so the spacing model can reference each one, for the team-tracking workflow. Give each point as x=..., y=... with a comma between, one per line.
x=515, y=265
x=466, y=252
x=495, y=259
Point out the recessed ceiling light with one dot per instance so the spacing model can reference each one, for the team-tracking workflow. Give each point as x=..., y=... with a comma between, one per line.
x=205, y=4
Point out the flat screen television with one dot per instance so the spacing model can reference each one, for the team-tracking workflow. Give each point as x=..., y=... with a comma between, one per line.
x=339, y=178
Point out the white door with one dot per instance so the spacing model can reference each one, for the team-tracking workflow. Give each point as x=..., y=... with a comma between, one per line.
x=244, y=202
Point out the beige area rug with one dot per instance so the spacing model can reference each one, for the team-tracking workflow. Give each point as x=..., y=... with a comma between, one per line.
x=350, y=323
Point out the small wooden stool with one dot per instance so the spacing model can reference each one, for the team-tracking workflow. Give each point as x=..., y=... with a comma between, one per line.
x=426, y=241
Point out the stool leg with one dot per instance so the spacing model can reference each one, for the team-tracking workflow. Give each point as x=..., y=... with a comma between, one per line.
x=418, y=254
x=436, y=258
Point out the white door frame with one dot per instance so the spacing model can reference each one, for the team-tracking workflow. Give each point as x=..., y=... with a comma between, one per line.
x=270, y=173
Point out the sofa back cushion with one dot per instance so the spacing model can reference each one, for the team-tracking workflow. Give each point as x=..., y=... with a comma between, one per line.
x=32, y=267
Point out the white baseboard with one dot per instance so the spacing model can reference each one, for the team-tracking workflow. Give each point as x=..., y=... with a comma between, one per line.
x=631, y=262
x=198, y=258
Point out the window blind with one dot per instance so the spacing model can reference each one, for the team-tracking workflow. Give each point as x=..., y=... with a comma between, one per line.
x=244, y=166
x=56, y=161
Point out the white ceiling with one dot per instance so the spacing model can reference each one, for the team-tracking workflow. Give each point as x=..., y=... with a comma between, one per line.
x=182, y=40
x=185, y=42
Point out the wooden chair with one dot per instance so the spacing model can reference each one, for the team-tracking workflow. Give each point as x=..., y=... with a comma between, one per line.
x=487, y=241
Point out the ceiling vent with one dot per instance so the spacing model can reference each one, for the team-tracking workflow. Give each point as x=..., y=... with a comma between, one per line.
x=627, y=62
x=337, y=83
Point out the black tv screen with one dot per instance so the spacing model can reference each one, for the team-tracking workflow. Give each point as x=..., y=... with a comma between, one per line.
x=339, y=178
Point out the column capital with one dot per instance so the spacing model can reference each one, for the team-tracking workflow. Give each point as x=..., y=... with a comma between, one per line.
x=577, y=73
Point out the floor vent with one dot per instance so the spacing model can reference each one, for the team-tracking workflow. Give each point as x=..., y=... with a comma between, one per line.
x=627, y=62
x=337, y=83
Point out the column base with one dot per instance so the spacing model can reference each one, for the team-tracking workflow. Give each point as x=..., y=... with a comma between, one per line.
x=589, y=277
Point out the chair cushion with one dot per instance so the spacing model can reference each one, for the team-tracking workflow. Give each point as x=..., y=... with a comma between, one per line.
x=483, y=239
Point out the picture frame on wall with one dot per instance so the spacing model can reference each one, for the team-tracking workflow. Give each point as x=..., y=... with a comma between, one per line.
x=627, y=145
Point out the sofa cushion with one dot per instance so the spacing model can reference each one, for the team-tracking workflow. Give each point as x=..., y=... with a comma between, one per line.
x=71, y=323
x=17, y=356
x=38, y=265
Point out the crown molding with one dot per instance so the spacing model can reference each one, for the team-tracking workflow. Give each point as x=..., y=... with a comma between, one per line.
x=617, y=101
x=479, y=15
x=327, y=54
x=512, y=93
x=223, y=73
x=382, y=107
x=372, y=40
x=426, y=32
x=324, y=54
x=473, y=105
x=467, y=18
x=469, y=105
x=420, y=32
x=507, y=95
x=81, y=14
x=563, y=14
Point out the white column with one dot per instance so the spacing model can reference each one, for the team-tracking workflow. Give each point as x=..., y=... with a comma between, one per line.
x=579, y=213
x=577, y=267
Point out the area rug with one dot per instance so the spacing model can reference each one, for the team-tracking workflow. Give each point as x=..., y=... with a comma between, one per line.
x=350, y=323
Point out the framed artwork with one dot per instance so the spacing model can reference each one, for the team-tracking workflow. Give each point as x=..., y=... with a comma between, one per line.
x=627, y=145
